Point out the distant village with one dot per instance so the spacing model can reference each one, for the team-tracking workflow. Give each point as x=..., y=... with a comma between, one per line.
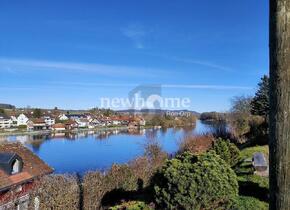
x=57, y=121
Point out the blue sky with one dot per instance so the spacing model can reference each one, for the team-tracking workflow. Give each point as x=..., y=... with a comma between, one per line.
x=71, y=53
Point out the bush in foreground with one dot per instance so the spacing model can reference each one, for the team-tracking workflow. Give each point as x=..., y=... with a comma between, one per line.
x=227, y=151
x=196, y=182
x=57, y=192
x=96, y=185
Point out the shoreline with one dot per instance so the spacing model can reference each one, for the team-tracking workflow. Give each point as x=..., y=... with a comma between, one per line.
x=43, y=132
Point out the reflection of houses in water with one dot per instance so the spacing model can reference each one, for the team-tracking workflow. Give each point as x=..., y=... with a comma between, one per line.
x=23, y=139
x=82, y=135
x=91, y=132
x=66, y=135
x=57, y=135
x=101, y=135
x=136, y=132
x=116, y=132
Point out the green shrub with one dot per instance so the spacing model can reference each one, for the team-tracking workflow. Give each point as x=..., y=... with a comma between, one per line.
x=249, y=203
x=196, y=182
x=22, y=127
x=227, y=151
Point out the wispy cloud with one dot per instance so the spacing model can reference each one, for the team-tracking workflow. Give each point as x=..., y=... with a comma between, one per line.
x=205, y=63
x=202, y=63
x=18, y=65
x=176, y=86
x=136, y=34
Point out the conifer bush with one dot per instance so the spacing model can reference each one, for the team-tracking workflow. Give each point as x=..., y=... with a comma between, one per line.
x=196, y=182
x=227, y=151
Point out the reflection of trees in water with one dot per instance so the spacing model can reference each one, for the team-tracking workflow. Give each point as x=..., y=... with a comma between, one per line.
x=151, y=134
x=188, y=130
x=216, y=127
x=163, y=131
x=37, y=140
x=103, y=135
x=176, y=129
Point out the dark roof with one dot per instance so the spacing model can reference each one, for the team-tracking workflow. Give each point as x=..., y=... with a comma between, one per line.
x=76, y=116
x=33, y=166
x=6, y=161
x=6, y=157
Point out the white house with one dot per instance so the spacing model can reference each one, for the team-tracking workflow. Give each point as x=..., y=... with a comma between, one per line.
x=49, y=121
x=22, y=120
x=82, y=123
x=5, y=122
x=62, y=117
x=14, y=120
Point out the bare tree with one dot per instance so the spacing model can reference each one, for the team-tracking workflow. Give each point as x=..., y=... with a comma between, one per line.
x=280, y=104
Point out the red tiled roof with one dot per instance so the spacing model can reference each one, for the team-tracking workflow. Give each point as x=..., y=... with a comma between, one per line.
x=58, y=125
x=33, y=166
x=38, y=121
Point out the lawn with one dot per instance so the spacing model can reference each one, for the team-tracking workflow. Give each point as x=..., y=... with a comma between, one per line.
x=250, y=184
x=249, y=151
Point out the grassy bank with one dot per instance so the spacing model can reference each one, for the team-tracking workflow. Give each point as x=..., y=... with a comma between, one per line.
x=254, y=189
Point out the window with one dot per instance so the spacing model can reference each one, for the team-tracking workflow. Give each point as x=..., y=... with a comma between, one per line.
x=16, y=166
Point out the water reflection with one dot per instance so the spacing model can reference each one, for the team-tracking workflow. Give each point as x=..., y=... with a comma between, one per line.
x=91, y=150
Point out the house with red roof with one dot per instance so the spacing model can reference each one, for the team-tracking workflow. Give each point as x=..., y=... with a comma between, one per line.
x=19, y=169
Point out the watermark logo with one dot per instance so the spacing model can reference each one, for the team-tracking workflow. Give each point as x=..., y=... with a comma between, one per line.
x=146, y=97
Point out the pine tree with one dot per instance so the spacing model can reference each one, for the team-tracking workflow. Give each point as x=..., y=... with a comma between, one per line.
x=260, y=103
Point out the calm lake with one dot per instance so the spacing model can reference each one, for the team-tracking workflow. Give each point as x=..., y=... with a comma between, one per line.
x=98, y=150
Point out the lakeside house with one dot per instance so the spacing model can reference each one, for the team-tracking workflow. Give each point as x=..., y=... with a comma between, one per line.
x=5, y=122
x=71, y=124
x=58, y=127
x=22, y=120
x=37, y=124
x=70, y=121
x=19, y=169
x=49, y=121
x=82, y=122
x=62, y=117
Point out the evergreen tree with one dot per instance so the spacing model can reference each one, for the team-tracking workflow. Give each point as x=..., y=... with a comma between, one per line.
x=260, y=103
x=37, y=113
